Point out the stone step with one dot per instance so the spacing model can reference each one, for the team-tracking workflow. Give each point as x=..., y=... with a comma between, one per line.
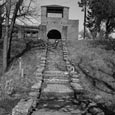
x=56, y=80
x=65, y=55
x=67, y=62
x=75, y=76
x=43, y=58
x=40, y=70
x=23, y=107
x=33, y=94
x=56, y=75
x=36, y=86
x=42, y=61
x=57, y=88
x=56, y=72
x=74, y=80
x=76, y=86
x=65, y=52
x=44, y=112
x=39, y=74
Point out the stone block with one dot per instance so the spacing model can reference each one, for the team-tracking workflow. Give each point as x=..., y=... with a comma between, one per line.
x=39, y=74
x=57, y=88
x=42, y=64
x=76, y=86
x=43, y=58
x=33, y=94
x=44, y=112
x=75, y=76
x=57, y=81
x=74, y=80
x=37, y=85
x=67, y=62
x=23, y=107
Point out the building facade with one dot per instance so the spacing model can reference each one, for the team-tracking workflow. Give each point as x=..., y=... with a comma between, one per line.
x=55, y=23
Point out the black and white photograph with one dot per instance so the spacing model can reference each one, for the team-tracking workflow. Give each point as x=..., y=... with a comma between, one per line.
x=57, y=57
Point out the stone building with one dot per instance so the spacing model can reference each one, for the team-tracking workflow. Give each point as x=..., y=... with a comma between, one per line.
x=55, y=23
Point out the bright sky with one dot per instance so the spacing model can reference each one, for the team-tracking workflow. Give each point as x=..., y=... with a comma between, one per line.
x=75, y=10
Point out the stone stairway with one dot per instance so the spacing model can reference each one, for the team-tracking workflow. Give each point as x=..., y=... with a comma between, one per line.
x=53, y=94
x=57, y=91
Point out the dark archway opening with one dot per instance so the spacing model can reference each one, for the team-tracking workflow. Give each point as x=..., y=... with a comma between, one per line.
x=54, y=34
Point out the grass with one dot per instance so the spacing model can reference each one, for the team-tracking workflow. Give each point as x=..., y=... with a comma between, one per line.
x=6, y=106
x=30, y=53
x=95, y=60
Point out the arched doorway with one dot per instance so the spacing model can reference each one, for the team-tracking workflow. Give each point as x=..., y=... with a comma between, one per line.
x=54, y=34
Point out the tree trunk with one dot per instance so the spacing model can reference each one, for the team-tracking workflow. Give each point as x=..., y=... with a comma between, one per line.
x=18, y=4
x=0, y=30
x=107, y=28
x=5, y=44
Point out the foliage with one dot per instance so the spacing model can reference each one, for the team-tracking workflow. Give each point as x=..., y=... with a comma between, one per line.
x=99, y=11
x=87, y=34
x=13, y=9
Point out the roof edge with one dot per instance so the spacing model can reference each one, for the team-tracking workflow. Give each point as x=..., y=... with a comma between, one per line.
x=54, y=5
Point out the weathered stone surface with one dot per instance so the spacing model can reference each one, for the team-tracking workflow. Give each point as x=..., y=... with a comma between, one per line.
x=75, y=76
x=9, y=86
x=75, y=80
x=66, y=73
x=43, y=58
x=55, y=73
x=39, y=74
x=67, y=62
x=42, y=64
x=40, y=69
x=77, y=86
x=37, y=85
x=23, y=107
x=77, y=112
x=44, y=112
x=56, y=80
x=33, y=94
x=57, y=88
x=96, y=111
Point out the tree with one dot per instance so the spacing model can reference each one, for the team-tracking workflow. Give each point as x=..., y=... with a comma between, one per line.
x=5, y=45
x=87, y=34
x=16, y=9
x=13, y=10
x=1, y=17
x=100, y=11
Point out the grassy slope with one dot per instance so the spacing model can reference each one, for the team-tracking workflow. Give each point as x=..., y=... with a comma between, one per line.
x=21, y=86
x=97, y=60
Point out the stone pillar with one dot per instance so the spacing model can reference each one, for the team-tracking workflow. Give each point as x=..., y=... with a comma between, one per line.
x=43, y=32
x=20, y=33
x=64, y=32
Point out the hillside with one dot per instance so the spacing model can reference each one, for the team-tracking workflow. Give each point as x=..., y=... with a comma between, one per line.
x=95, y=61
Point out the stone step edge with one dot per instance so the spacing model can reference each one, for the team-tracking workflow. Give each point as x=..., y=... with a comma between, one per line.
x=24, y=107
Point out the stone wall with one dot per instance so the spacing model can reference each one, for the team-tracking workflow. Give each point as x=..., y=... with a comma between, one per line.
x=73, y=30
x=56, y=23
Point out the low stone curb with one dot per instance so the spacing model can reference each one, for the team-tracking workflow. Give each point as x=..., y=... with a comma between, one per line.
x=74, y=81
x=25, y=106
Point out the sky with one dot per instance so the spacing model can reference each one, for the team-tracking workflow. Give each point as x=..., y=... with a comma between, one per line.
x=74, y=11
